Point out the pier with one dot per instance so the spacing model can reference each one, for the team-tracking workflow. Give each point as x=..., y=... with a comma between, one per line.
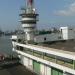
x=11, y=66
x=16, y=69
x=6, y=61
x=9, y=62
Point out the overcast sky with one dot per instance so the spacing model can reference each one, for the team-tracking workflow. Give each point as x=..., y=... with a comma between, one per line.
x=51, y=13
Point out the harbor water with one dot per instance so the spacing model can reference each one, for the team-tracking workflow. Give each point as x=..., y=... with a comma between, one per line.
x=6, y=45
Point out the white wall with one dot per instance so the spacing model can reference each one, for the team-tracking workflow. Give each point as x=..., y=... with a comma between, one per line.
x=30, y=64
x=49, y=37
x=67, y=33
x=64, y=32
x=29, y=35
x=24, y=61
x=71, y=34
x=42, y=69
x=14, y=37
x=48, y=70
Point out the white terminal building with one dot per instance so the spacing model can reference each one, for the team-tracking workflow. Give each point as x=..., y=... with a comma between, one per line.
x=47, y=53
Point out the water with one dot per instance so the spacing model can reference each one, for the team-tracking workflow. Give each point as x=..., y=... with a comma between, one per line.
x=5, y=45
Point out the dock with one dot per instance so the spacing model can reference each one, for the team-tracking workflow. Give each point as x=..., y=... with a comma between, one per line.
x=8, y=60
x=16, y=69
x=11, y=66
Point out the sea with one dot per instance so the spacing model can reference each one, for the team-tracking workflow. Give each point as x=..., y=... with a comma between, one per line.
x=5, y=45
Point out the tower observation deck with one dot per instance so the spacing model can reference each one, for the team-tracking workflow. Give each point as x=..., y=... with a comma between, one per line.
x=29, y=20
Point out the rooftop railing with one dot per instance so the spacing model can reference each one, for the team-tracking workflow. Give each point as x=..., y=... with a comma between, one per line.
x=64, y=62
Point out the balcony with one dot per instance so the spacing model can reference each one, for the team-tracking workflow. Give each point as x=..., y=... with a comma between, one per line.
x=52, y=58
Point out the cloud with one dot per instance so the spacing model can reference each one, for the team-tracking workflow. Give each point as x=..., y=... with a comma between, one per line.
x=70, y=11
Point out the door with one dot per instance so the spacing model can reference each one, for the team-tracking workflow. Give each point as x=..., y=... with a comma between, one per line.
x=56, y=72
x=36, y=67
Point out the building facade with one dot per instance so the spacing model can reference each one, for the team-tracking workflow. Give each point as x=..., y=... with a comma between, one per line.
x=36, y=57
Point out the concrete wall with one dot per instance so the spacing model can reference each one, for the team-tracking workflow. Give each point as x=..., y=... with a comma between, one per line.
x=67, y=33
x=30, y=66
x=29, y=35
x=71, y=34
x=49, y=37
x=26, y=62
x=64, y=32
x=54, y=52
x=47, y=70
x=42, y=69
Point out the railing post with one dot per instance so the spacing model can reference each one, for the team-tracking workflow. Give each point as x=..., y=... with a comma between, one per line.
x=55, y=59
x=43, y=55
x=73, y=64
x=33, y=52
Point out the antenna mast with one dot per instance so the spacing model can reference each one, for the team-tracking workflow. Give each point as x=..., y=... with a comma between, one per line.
x=30, y=4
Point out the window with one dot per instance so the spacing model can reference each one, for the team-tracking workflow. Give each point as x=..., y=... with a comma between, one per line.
x=45, y=39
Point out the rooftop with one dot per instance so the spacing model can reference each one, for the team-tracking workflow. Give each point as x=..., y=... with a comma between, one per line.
x=68, y=45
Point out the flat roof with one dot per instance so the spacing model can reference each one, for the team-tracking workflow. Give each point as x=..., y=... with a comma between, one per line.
x=46, y=48
x=66, y=45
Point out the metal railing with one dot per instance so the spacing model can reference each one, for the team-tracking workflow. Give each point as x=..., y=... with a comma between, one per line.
x=54, y=59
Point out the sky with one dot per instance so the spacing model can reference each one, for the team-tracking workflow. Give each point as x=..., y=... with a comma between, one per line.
x=51, y=13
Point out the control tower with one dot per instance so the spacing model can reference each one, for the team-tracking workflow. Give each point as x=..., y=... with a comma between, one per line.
x=29, y=20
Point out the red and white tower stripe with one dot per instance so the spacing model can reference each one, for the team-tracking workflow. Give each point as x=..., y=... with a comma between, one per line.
x=29, y=20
